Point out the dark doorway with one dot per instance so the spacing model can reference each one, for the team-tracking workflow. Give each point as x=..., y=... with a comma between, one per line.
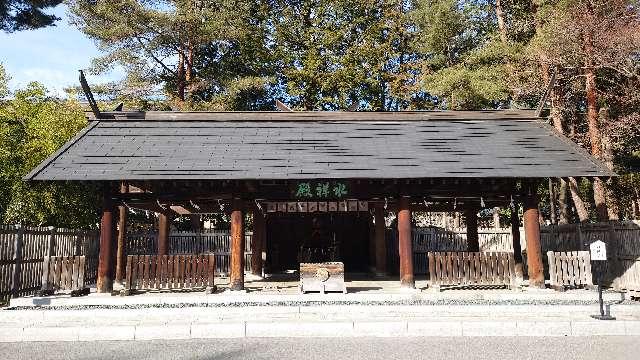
x=287, y=234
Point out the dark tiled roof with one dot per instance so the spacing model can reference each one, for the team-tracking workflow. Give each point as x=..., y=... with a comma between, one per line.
x=318, y=145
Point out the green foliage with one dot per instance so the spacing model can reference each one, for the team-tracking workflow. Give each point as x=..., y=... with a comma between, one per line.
x=16, y=15
x=32, y=127
x=198, y=54
x=340, y=54
x=464, y=65
x=4, y=83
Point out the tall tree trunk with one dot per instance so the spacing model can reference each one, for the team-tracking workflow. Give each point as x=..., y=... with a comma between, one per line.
x=180, y=77
x=581, y=209
x=595, y=137
x=607, y=158
x=558, y=118
x=502, y=27
x=563, y=209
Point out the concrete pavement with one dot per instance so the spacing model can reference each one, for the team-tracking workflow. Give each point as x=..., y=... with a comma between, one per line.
x=315, y=321
x=538, y=348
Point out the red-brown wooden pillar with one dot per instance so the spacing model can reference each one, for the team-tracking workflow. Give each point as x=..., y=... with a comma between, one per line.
x=471, y=220
x=236, y=276
x=257, y=242
x=515, y=235
x=532, y=236
x=164, y=227
x=104, y=283
x=121, y=255
x=404, y=244
x=380, y=244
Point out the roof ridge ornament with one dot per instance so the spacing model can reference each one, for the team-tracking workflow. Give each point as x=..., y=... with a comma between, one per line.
x=89, y=95
x=282, y=106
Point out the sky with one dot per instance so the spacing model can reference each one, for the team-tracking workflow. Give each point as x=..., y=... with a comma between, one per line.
x=51, y=56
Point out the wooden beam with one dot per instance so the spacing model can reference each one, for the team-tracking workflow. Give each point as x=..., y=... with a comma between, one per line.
x=121, y=255
x=236, y=276
x=404, y=244
x=380, y=242
x=517, y=249
x=471, y=219
x=104, y=283
x=164, y=227
x=258, y=242
x=532, y=236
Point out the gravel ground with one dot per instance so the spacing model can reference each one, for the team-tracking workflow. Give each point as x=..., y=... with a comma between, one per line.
x=416, y=302
x=610, y=348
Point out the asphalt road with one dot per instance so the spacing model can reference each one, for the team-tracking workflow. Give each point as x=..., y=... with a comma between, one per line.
x=329, y=348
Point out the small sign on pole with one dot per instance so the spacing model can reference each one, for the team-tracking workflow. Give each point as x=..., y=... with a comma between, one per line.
x=598, y=252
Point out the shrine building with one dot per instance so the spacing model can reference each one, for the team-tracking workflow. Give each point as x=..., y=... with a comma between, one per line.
x=317, y=183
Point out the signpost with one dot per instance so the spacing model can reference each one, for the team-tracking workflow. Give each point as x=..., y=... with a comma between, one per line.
x=598, y=250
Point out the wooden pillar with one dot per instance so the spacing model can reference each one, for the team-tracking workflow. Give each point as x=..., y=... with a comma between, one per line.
x=532, y=237
x=104, y=283
x=121, y=256
x=164, y=227
x=380, y=241
x=257, y=242
x=515, y=235
x=404, y=244
x=236, y=276
x=471, y=219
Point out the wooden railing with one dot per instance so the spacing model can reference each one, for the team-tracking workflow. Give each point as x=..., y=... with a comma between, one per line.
x=151, y=272
x=569, y=269
x=188, y=242
x=471, y=268
x=64, y=273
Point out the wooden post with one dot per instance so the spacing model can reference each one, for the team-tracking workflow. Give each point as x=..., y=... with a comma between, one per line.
x=104, y=282
x=121, y=255
x=257, y=242
x=380, y=242
x=532, y=237
x=236, y=276
x=517, y=248
x=471, y=219
x=404, y=244
x=17, y=261
x=496, y=218
x=552, y=202
x=164, y=227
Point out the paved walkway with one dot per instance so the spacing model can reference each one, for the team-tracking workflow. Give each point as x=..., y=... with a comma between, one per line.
x=379, y=312
x=314, y=321
x=538, y=348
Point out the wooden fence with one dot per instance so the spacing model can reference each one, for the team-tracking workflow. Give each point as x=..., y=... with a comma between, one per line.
x=64, y=273
x=188, y=242
x=623, y=248
x=23, y=249
x=463, y=268
x=170, y=272
x=569, y=269
x=433, y=239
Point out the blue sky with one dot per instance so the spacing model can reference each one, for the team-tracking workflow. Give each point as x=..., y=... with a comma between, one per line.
x=51, y=56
